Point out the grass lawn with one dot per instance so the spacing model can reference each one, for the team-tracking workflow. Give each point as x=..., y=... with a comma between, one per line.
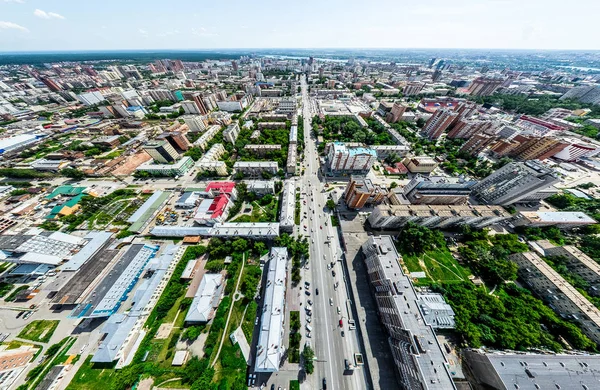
x=440, y=266
x=294, y=385
x=39, y=330
x=5, y=288
x=93, y=376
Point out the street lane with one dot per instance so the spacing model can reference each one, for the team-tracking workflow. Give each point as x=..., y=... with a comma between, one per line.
x=330, y=347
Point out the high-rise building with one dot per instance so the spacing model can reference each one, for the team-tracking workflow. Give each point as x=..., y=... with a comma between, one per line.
x=197, y=98
x=413, y=88
x=513, y=182
x=361, y=190
x=484, y=86
x=234, y=65
x=575, y=150
x=195, y=123
x=584, y=94
x=161, y=151
x=178, y=141
x=476, y=144
x=190, y=107
x=438, y=123
x=396, y=113
x=466, y=128
x=538, y=148
x=503, y=147
x=162, y=94
x=341, y=159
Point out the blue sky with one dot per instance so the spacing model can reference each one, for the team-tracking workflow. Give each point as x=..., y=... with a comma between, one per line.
x=29, y=25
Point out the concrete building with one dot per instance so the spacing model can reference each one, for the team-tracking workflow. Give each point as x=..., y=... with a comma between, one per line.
x=179, y=168
x=231, y=133
x=466, y=128
x=560, y=219
x=345, y=160
x=270, y=348
x=361, y=191
x=575, y=150
x=476, y=144
x=484, y=86
x=506, y=370
x=286, y=106
x=292, y=158
x=256, y=168
x=438, y=123
x=418, y=356
x=261, y=187
x=13, y=362
x=293, y=135
x=538, y=148
x=190, y=107
x=396, y=216
x=584, y=94
x=438, y=190
x=161, y=151
x=513, y=182
x=383, y=151
x=261, y=149
x=210, y=161
x=19, y=142
x=420, y=164
x=413, y=88
x=288, y=206
x=206, y=299
x=90, y=98
x=557, y=293
x=195, y=123
x=207, y=136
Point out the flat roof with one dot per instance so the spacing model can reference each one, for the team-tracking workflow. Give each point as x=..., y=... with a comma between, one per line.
x=138, y=225
x=96, y=240
x=144, y=207
x=288, y=204
x=270, y=347
x=557, y=216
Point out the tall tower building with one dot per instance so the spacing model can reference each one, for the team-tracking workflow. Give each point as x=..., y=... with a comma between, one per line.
x=476, y=144
x=484, y=86
x=513, y=182
x=539, y=148
x=161, y=151
x=438, y=123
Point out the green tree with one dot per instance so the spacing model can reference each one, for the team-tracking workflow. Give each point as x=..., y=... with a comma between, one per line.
x=330, y=204
x=308, y=355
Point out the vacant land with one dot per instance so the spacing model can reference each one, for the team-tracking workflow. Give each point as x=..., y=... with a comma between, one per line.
x=39, y=330
x=93, y=377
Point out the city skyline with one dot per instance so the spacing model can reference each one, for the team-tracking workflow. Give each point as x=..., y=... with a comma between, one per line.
x=30, y=25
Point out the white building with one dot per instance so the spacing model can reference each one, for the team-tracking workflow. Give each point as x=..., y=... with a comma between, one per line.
x=270, y=348
x=256, y=168
x=206, y=300
x=195, y=123
x=207, y=136
x=342, y=159
x=90, y=98
x=231, y=132
x=288, y=206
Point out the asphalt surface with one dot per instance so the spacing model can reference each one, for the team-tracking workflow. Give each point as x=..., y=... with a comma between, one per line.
x=331, y=348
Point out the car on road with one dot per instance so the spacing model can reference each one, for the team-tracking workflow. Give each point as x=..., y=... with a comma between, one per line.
x=330, y=302
x=324, y=384
x=308, y=334
x=317, y=291
x=343, y=334
x=333, y=273
x=328, y=267
x=341, y=322
x=321, y=227
x=308, y=319
x=307, y=292
x=310, y=302
x=19, y=314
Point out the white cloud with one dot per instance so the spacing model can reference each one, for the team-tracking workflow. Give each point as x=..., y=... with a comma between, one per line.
x=142, y=31
x=167, y=33
x=12, y=26
x=203, y=32
x=15, y=1
x=47, y=15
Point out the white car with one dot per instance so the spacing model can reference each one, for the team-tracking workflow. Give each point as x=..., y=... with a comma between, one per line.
x=330, y=302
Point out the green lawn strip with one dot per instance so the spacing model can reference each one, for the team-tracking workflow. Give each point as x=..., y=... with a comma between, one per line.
x=412, y=263
x=294, y=385
x=93, y=376
x=51, y=361
x=13, y=295
x=39, y=330
x=5, y=288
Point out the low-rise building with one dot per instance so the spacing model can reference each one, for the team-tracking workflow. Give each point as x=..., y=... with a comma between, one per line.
x=231, y=132
x=560, y=219
x=270, y=348
x=578, y=263
x=261, y=187
x=256, y=168
x=206, y=300
x=291, y=165
x=342, y=159
x=396, y=216
x=179, y=168
x=420, y=164
x=262, y=149
x=207, y=136
x=210, y=161
x=288, y=206
x=438, y=190
x=557, y=293
x=383, y=151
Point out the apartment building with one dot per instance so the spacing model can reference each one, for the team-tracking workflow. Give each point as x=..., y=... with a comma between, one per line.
x=557, y=293
x=420, y=164
x=207, y=136
x=210, y=161
x=176, y=169
x=578, y=263
x=231, y=133
x=261, y=149
x=288, y=207
x=256, y=168
x=361, y=191
x=477, y=144
x=345, y=160
x=484, y=86
x=161, y=151
x=439, y=122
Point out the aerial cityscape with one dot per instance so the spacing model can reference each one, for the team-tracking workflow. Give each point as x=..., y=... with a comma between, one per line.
x=251, y=215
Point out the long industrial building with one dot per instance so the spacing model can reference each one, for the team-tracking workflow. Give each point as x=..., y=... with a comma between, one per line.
x=396, y=216
x=270, y=348
x=288, y=206
x=256, y=230
x=418, y=356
